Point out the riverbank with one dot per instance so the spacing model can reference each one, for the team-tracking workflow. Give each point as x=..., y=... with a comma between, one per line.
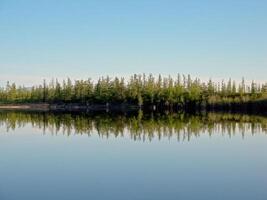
x=256, y=107
x=31, y=106
x=69, y=107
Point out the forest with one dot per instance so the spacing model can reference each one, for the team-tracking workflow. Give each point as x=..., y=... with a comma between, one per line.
x=144, y=91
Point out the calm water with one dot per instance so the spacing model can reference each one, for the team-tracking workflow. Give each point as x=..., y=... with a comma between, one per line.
x=175, y=156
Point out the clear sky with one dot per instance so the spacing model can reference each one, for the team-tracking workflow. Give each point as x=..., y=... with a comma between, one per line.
x=87, y=38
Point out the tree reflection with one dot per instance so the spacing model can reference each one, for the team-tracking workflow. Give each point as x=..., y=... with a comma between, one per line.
x=138, y=126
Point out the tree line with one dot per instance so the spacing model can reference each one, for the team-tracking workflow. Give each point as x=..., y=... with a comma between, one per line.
x=139, y=90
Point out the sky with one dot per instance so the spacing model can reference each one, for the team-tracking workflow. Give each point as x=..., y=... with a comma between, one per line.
x=92, y=38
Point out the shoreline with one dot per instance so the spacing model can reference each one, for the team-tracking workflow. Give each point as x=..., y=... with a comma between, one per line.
x=246, y=108
x=37, y=107
x=68, y=107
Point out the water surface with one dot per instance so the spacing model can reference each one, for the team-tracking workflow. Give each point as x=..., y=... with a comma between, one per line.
x=132, y=156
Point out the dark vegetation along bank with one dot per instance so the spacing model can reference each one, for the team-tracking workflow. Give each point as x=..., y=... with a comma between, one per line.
x=141, y=91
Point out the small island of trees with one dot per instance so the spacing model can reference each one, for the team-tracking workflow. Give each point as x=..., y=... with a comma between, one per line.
x=143, y=91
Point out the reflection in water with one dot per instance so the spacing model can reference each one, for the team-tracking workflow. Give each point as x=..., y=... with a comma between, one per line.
x=138, y=126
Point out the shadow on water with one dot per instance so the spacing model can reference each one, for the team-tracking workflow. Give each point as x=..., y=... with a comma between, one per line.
x=138, y=125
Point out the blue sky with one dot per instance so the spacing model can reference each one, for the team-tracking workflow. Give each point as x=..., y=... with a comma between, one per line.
x=80, y=39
